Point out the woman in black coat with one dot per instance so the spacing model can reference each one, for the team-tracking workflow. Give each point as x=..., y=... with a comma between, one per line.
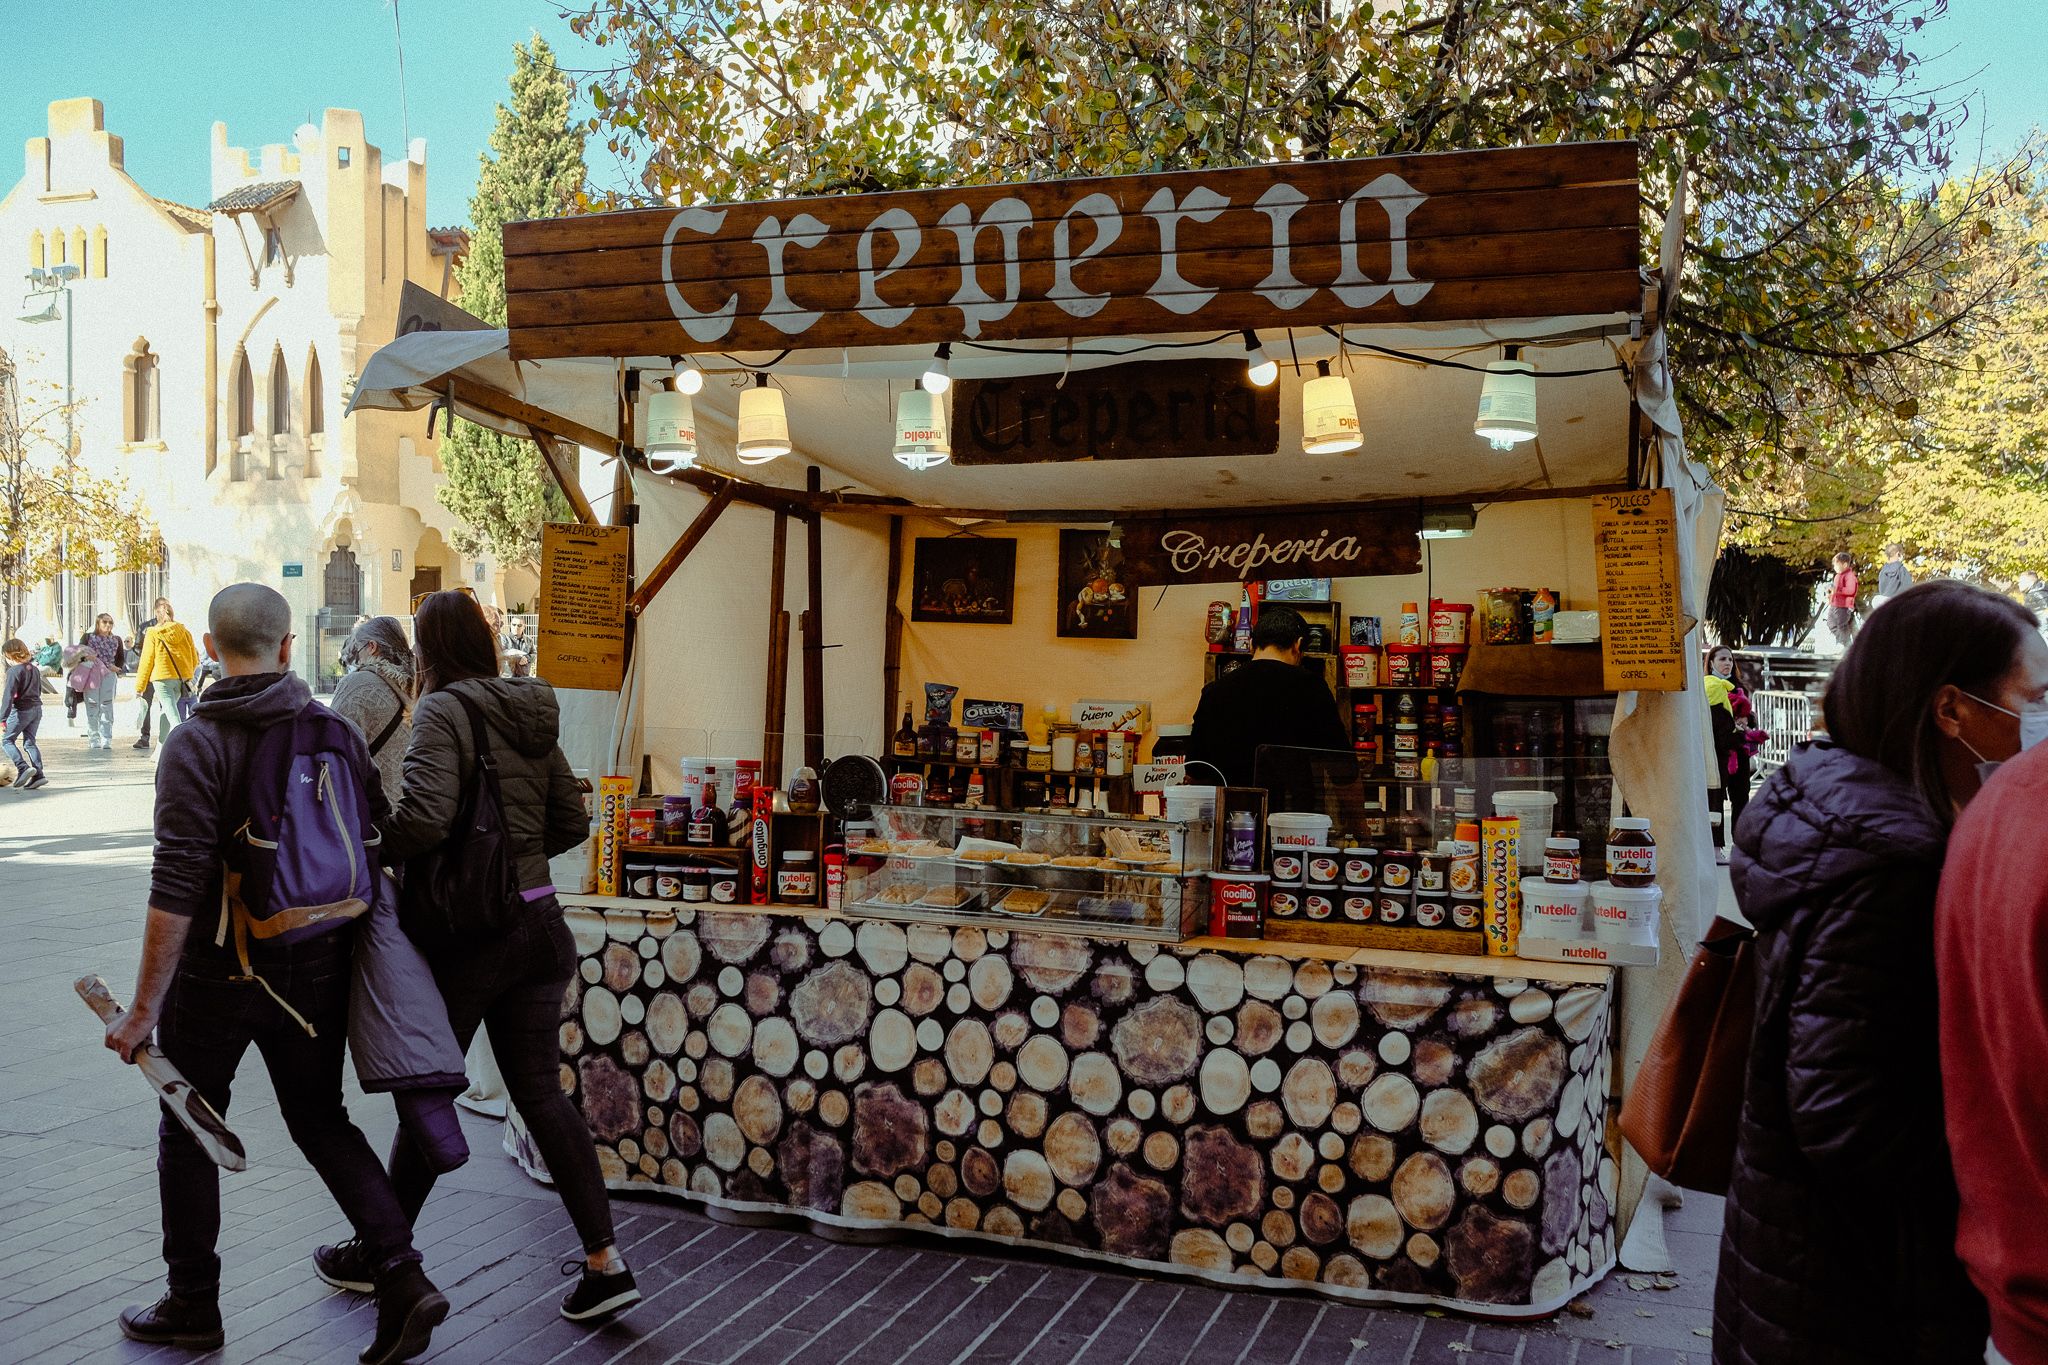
x=1839, y=1242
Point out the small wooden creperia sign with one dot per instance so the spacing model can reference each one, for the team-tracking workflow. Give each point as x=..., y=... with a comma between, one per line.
x=583, y=573
x=1642, y=626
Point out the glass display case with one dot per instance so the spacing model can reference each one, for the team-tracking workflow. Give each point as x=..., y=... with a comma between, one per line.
x=1069, y=874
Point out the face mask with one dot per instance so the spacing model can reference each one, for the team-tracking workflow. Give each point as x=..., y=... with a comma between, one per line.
x=2033, y=729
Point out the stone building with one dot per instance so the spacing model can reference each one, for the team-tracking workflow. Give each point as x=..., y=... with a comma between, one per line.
x=213, y=351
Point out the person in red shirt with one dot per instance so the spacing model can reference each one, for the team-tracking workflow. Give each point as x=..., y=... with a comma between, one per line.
x=1842, y=600
x=1991, y=961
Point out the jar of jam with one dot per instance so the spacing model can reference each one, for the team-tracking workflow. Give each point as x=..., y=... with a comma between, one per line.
x=1561, y=860
x=1631, y=852
x=967, y=746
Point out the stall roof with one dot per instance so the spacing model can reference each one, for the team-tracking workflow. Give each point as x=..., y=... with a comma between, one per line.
x=1416, y=416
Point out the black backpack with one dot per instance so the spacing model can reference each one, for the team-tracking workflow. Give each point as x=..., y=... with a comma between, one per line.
x=463, y=889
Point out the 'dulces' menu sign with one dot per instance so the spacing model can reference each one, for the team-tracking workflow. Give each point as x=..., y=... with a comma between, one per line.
x=583, y=572
x=1642, y=626
x=1251, y=548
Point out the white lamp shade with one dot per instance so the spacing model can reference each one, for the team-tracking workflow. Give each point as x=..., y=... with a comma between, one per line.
x=1507, y=404
x=1329, y=416
x=921, y=437
x=763, y=426
x=671, y=431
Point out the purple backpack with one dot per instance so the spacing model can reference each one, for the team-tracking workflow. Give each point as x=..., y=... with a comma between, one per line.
x=303, y=862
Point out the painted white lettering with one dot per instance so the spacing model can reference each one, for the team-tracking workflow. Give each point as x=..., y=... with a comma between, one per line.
x=1280, y=203
x=1109, y=225
x=1171, y=291
x=702, y=327
x=782, y=312
x=909, y=236
x=1398, y=199
x=1009, y=217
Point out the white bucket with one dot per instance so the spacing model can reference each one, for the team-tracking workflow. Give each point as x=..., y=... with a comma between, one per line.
x=1626, y=914
x=1538, y=813
x=1553, y=909
x=1302, y=829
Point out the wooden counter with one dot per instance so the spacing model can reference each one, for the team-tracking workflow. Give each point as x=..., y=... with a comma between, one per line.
x=1371, y=1125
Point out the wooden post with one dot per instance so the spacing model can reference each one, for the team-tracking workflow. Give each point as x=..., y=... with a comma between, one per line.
x=678, y=552
x=814, y=628
x=551, y=459
x=892, y=633
x=778, y=660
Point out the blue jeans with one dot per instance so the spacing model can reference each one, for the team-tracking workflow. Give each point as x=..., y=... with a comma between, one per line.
x=166, y=694
x=209, y=1021
x=99, y=711
x=20, y=739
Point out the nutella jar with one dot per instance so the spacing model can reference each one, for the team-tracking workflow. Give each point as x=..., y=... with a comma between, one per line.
x=1631, y=852
x=1561, y=861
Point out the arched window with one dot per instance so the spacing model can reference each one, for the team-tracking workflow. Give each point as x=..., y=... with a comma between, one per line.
x=77, y=256
x=316, y=404
x=57, y=247
x=144, y=397
x=99, y=253
x=36, y=258
x=280, y=395
x=243, y=397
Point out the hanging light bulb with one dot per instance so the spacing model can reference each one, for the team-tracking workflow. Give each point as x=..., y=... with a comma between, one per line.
x=938, y=376
x=689, y=379
x=671, y=430
x=763, y=424
x=921, y=438
x=1329, y=414
x=1260, y=368
x=1507, y=401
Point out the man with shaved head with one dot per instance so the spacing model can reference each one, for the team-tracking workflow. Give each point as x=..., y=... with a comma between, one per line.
x=206, y=1011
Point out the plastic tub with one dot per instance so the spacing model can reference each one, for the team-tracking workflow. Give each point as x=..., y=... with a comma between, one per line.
x=1302, y=829
x=1554, y=909
x=1449, y=622
x=1538, y=813
x=1361, y=665
x=1626, y=914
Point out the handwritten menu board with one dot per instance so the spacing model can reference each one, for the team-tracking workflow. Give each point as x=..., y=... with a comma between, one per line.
x=583, y=571
x=1642, y=630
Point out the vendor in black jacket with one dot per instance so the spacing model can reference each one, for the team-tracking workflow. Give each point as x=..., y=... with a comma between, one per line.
x=1271, y=700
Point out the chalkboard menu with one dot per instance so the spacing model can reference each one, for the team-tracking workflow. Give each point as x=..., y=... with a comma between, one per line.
x=583, y=572
x=1642, y=628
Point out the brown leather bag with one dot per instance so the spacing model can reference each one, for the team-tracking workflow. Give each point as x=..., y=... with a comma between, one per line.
x=1681, y=1110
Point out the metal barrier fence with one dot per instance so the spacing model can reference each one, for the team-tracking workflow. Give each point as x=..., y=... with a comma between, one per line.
x=1787, y=718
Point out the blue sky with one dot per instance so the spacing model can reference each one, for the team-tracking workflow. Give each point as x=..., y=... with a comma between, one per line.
x=167, y=71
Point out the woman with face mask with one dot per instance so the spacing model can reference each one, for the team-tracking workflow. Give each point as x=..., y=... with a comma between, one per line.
x=1840, y=1232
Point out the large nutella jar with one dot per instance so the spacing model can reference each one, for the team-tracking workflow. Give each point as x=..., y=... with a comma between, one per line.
x=1631, y=853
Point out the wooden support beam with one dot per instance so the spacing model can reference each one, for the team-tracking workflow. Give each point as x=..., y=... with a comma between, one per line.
x=678, y=552
x=571, y=488
x=892, y=632
x=526, y=414
x=775, y=712
x=814, y=629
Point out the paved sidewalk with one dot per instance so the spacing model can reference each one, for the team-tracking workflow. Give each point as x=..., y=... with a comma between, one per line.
x=79, y=1232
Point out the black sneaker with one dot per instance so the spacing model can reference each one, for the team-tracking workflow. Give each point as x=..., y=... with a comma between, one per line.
x=409, y=1308
x=172, y=1321
x=597, y=1293
x=344, y=1266
x=142, y=743
x=39, y=780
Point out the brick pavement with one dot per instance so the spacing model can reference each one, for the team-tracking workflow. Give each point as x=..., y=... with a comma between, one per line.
x=78, y=1211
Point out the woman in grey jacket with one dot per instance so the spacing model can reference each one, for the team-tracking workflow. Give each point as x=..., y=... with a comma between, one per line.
x=511, y=984
x=376, y=694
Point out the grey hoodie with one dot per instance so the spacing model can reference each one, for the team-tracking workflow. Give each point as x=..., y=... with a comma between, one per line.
x=543, y=807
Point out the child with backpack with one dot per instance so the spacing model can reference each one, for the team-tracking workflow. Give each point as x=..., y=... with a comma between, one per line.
x=21, y=713
x=264, y=859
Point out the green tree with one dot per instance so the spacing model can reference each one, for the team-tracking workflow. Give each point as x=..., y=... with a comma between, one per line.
x=54, y=516
x=497, y=484
x=1813, y=284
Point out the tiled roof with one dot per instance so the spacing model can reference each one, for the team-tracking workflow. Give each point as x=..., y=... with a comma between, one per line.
x=450, y=238
x=265, y=194
x=191, y=219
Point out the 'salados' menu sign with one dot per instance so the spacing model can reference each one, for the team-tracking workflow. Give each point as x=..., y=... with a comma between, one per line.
x=1254, y=547
x=1519, y=232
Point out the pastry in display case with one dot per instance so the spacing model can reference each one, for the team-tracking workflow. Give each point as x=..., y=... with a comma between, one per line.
x=1061, y=873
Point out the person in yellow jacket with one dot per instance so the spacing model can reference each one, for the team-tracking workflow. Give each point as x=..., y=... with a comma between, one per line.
x=169, y=659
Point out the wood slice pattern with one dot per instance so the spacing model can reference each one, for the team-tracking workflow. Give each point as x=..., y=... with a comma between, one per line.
x=1367, y=1131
